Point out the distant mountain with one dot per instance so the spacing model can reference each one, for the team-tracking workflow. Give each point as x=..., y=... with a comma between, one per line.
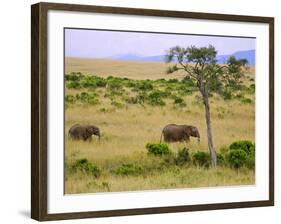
x=249, y=55
x=127, y=57
x=222, y=59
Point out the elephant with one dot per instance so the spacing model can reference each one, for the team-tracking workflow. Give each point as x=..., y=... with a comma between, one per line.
x=179, y=133
x=83, y=132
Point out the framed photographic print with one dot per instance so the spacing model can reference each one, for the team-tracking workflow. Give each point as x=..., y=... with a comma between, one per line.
x=139, y=111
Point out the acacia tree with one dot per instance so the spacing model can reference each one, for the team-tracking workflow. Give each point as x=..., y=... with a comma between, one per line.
x=200, y=64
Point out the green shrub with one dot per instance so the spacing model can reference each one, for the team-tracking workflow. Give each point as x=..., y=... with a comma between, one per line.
x=249, y=148
x=245, y=145
x=187, y=81
x=143, y=85
x=237, y=158
x=182, y=157
x=226, y=94
x=184, y=90
x=155, y=98
x=173, y=81
x=179, y=102
x=221, y=159
x=88, y=98
x=201, y=159
x=114, y=83
x=93, y=82
x=158, y=149
x=100, y=82
x=87, y=167
x=74, y=76
x=246, y=101
x=252, y=88
x=73, y=85
x=69, y=99
x=250, y=161
x=129, y=169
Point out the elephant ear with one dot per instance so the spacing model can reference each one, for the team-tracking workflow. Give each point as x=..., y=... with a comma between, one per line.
x=89, y=130
x=188, y=130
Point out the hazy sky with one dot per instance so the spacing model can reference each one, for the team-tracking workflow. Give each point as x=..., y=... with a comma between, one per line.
x=102, y=44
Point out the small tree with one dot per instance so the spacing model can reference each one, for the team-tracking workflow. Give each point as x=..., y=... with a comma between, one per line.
x=201, y=65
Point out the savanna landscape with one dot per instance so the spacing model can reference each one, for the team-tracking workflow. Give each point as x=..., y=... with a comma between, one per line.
x=131, y=102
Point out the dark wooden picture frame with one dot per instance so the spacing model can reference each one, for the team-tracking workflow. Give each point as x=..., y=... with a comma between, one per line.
x=39, y=121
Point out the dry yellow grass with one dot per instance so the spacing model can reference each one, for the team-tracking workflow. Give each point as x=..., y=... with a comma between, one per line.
x=128, y=69
x=190, y=177
x=125, y=132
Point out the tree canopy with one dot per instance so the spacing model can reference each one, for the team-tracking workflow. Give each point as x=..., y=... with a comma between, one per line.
x=200, y=64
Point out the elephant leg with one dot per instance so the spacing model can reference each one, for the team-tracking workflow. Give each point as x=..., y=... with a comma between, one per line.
x=186, y=140
x=90, y=138
x=85, y=137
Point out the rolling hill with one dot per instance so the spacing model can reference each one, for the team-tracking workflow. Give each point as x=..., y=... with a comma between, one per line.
x=222, y=59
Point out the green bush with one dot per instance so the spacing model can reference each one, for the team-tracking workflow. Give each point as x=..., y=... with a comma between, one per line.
x=173, y=81
x=187, y=81
x=245, y=145
x=201, y=159
x=93, y=82
x=179, y=102
x=249, y=148
x=155, y=98
x=246, y=101
x=251, y=89
x=129, y=169
x=143, y=85
x=74, y=76
x=182, y=157
x=73, y=85
x=114, y=83
x=237, y=158
x=89, y=98
x=69, y=99
x=158, y=149
x=250, y=161
x=100, y=82
x=87, y=167
x=226, y=94
x=184, y=90
x=221, y=159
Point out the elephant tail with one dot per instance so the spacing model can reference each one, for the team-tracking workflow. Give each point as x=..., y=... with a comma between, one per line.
x=161, y=137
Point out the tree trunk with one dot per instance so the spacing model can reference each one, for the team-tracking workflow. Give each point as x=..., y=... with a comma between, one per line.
x=212, y=149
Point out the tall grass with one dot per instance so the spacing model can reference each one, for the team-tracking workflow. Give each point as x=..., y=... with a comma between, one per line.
x=126, y=130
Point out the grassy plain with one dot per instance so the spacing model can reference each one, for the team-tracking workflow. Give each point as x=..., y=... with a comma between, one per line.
x=126, y=130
